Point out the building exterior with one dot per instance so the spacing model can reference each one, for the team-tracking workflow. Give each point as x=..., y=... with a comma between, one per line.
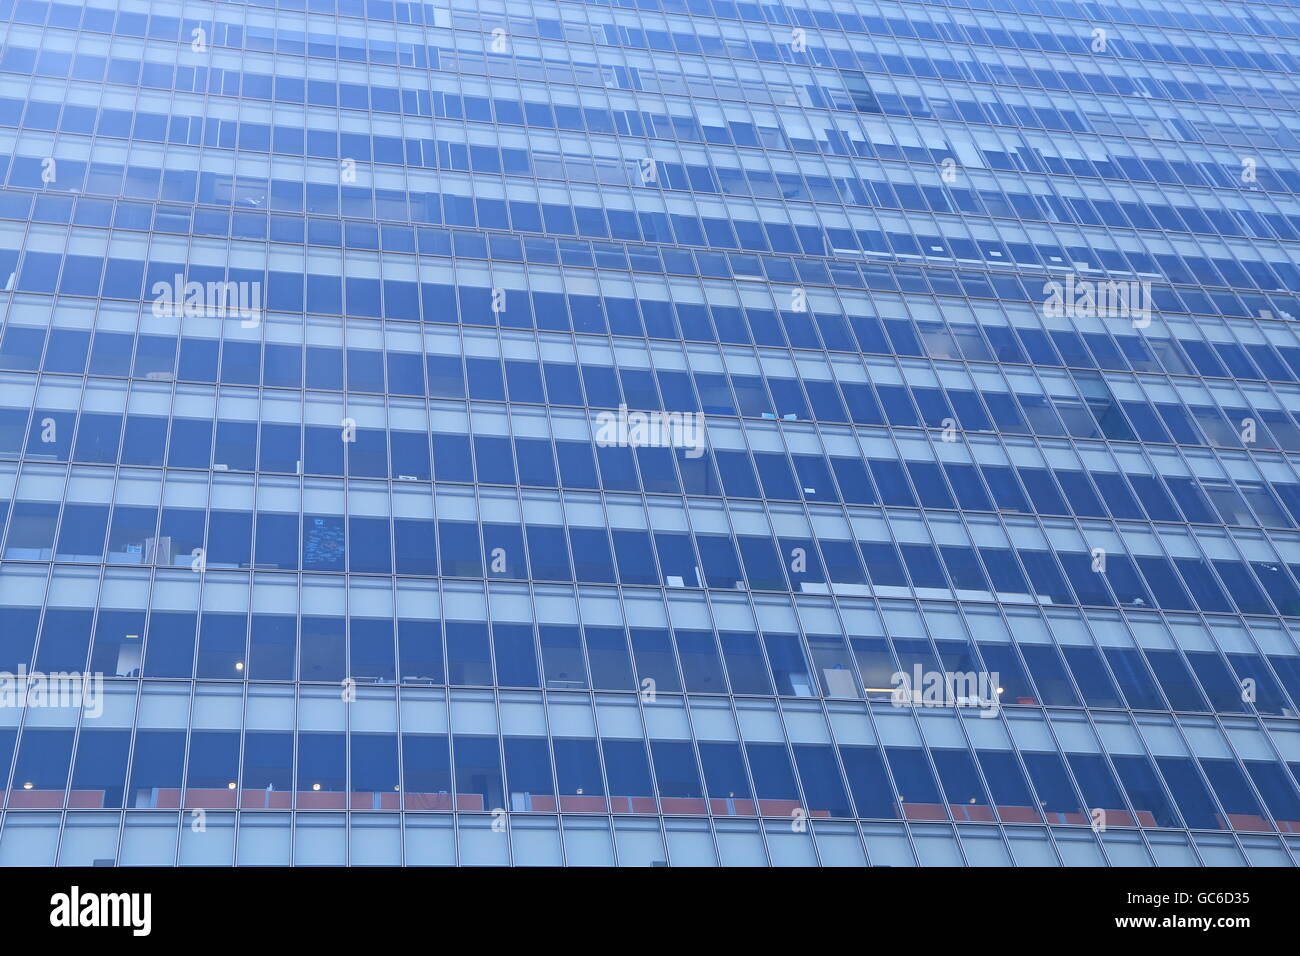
x=681, y=432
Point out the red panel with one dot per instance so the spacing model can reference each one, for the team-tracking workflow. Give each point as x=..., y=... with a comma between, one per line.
x=36, y=799
x=321, y=800
x=376, y=800
x=86, y=799
x=266, y=799
x=428, y=801
x=684, y=805
x=633, y=804
x=1245, y=821
x=924, y=811
x=976, y=812
x=210, y=798
x=584, y=804
x=1019, y=815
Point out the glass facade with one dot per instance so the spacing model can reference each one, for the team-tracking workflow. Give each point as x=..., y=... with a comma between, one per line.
x=663, y=432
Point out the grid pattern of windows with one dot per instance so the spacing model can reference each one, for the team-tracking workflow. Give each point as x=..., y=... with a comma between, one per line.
x=972, y=327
